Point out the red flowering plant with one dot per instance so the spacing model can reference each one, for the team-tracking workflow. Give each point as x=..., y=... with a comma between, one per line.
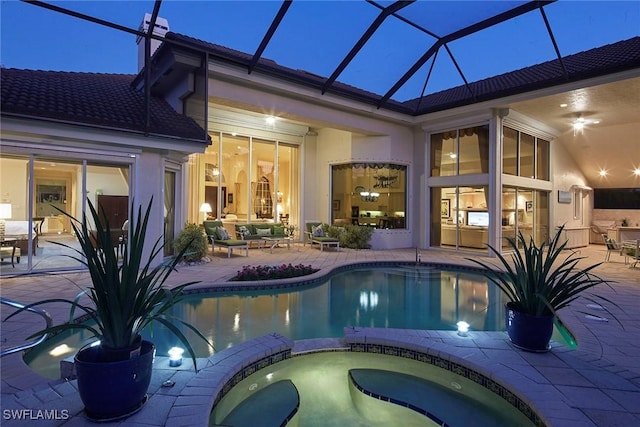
x=267, y=272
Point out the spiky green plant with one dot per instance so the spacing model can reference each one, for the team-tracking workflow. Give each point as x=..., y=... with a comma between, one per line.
x=126, y=297
x=537, y=280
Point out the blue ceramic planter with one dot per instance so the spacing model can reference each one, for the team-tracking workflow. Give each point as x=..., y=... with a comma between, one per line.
x=528, y=332
x=112, y=390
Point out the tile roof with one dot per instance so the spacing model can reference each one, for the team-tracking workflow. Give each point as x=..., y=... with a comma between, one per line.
x=604, y=60
x=105, y=100
x=612, y=58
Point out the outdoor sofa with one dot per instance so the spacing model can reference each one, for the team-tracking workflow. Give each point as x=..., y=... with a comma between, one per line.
x=255, y=232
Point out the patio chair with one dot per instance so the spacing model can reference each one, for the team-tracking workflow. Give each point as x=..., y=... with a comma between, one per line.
x=612, y=246
x=315, y=234
x=631, y=249
x=218, y=236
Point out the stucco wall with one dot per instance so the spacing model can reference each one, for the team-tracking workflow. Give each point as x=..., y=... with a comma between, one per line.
x=566, y=174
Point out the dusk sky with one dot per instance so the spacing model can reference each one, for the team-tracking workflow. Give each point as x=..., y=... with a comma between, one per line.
x=316, y=35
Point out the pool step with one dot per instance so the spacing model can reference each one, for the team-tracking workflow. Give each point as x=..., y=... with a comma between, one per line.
x=441, y=405
x=271, y=406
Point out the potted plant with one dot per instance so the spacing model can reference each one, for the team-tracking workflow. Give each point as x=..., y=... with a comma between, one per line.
x=125, y=297
x=538, y=283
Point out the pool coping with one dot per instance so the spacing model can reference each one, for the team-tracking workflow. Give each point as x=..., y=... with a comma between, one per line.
x=586, y=358
x=538, y=400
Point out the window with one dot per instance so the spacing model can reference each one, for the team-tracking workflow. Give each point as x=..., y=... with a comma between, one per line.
x=245, y=179
x=524, y=211
x=460, y=152
x=371, y=194
x=577, y=204
x=524, y=155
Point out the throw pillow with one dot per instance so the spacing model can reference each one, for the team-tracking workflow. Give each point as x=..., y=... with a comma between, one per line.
x=317, y=231
x=244, y=231
x=278, y=230
x=263, y=232
x=222, y=234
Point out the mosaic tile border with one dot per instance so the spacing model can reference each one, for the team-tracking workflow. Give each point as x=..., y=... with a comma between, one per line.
x=250, y=369
x=415, y=408
x=455, y=368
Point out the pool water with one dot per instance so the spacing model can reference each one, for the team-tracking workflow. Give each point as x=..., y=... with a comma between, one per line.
x=327, y=399
x=405, y=297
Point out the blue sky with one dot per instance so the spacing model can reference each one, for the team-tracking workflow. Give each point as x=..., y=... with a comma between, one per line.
x=316, y=35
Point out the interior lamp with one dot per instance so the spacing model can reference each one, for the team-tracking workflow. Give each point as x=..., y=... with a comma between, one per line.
x=205, y=208
x=5, y=210
x=463, y=328
x=5, y=213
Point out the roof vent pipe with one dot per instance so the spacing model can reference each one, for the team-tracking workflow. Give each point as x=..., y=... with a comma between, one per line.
x=161, y=28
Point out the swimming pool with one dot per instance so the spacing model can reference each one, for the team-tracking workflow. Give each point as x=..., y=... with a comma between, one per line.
x=393, y=296
x=327, y=395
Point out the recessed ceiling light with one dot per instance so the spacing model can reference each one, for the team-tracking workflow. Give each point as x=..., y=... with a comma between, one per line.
x=603, y=172
x=636, y=171
x=563, y=105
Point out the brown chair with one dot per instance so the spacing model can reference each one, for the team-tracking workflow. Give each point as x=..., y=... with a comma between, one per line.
x=117, y=240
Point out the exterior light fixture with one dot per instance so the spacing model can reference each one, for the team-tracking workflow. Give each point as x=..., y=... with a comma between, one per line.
x=580, y=123
x=463, y=328
x=270, y=120
x=175, y=356
x=578, y=126
x=563, y=105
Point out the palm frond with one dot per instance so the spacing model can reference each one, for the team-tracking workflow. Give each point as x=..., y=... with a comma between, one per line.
x=127, y=295
x=536, y=279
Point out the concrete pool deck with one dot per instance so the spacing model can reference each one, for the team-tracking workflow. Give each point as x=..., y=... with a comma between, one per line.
x=597, y=384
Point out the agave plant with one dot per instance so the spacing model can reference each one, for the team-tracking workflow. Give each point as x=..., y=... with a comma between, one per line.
x=537, y=280
x=125, y=296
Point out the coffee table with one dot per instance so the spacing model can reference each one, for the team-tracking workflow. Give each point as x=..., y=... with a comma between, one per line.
x=274, y=241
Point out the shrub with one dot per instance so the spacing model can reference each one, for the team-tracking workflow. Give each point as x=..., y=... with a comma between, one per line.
x=193, y=239
x=266, y=272
x=356, y=237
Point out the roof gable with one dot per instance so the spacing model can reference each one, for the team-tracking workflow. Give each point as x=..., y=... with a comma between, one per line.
x=104, y=100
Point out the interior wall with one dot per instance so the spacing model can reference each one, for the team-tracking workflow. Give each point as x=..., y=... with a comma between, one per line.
x=13, y=186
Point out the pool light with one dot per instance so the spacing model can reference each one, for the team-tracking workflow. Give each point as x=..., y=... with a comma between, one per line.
x=175, y=356
x=463, y=328
x=60, y=350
